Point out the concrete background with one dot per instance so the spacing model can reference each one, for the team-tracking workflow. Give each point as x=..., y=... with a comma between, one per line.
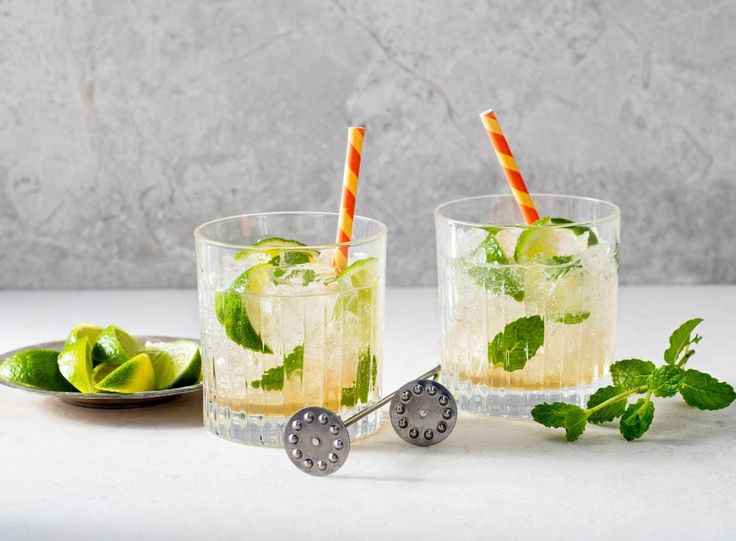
x=123, y=124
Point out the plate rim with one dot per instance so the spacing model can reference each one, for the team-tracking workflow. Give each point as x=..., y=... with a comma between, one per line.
x=57, y=344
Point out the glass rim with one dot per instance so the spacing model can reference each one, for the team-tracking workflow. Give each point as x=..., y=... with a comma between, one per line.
x=615, y=210
x=200, y=236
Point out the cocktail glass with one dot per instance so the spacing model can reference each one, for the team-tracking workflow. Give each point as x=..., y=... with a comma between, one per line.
x=528, y=313
x=282, y=328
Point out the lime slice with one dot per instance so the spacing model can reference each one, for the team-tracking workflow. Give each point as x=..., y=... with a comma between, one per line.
x=280, y=251
x=75, y=364
x=232, y=314
x=101, y=371
x=361, y=273
x=359, y=297
x=177, y=364
x=36, y=368
x=84, y=330
x=258, y=279
x=277, y=242
x=134, y=376
x=114, y=345
x=536, y=243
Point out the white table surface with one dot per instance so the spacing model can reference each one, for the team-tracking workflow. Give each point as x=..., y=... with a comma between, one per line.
x=155, y=473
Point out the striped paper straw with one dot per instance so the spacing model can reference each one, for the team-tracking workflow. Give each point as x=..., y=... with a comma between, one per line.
x=349, y=193
x=508, y=164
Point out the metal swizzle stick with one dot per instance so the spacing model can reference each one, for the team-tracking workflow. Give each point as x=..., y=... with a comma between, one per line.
x=423, y=412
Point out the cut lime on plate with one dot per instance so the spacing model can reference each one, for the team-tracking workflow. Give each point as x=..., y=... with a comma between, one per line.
x=84, y=330
x=34, y=369
x=75, y=364
x=114, y=345
x=134, y=376
x=176, y=364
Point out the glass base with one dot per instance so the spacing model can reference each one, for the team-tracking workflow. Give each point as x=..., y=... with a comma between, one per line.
x=239, y=427
x=515, y=404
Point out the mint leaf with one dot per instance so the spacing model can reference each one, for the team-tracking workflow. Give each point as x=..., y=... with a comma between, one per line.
x=609, y=412
x=493, y=250
x=308, y=276
x=552, y=415
x=517, y=343
x=575, y=422
x=681, y=339
x=561, y=415
x=499, y=280
x=572, y=318
x=665, y=380
x=560, y=265
x=631, y=373
x=347, y=399
x=577, y=229
x=273, y=378
x=365, y=379
x=637, y=419
x=705, y=392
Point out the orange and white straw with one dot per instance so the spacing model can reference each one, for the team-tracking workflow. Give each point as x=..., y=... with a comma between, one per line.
x=349, y=194
x=508, y=164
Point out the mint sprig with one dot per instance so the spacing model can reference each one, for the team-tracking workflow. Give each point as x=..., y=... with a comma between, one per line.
x=273, y=378
x=365, y=380
x=635, y=376
x=517, y=343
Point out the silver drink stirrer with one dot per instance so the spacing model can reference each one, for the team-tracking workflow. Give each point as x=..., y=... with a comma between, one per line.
x=423, y=412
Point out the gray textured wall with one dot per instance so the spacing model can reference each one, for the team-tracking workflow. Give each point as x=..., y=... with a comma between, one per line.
x=123, y=124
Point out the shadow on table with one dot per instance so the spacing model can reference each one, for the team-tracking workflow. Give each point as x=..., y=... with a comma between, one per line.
x=485, y=440
x=182, y=412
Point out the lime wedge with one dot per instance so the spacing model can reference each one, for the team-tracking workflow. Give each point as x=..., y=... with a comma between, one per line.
x=35, y=368
x=232, y=314
x=114, y=345
x=101, y=371
x=177, y=364
x=75, y=364
x=84, y=330
x=134, y=376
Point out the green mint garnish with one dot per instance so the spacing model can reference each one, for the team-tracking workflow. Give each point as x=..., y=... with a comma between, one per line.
x=561, y=415
x=577, y=229
x=560, y=265
x=573, y=318
x=634, y=376
x=517, y=343
x=273, y=378
x=681, y=340
x=496, y=278
x=291, y=257
x=631, y=373
x=610, y=408
x=637, y=419
x=499, y=280
x=665, y=380
x=365, y=379
x=705, y=392
x=492, y=248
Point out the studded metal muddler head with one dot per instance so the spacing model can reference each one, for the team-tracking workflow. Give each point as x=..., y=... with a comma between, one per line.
x=316, y=441
x=423, y=412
